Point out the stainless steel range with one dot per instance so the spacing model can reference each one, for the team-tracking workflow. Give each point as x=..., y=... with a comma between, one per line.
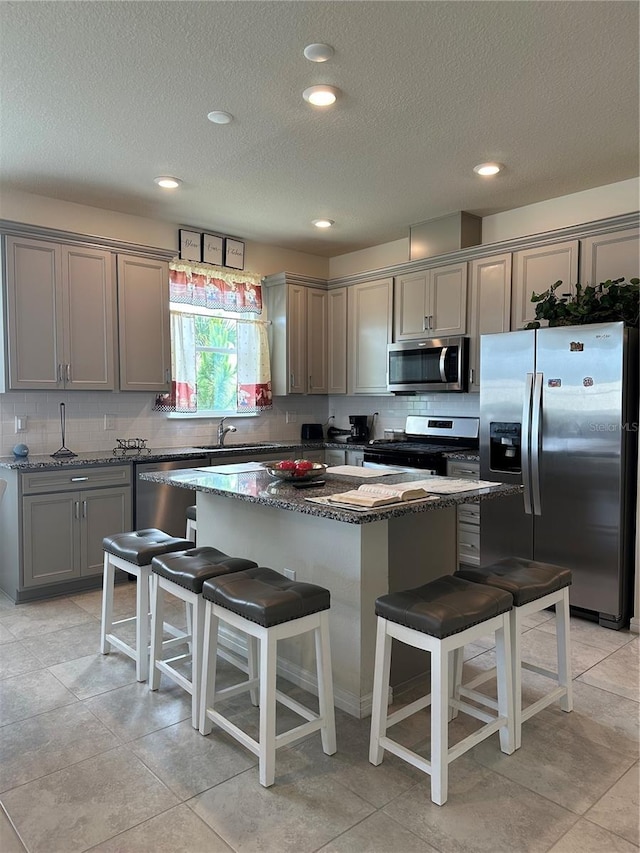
x=428, y=439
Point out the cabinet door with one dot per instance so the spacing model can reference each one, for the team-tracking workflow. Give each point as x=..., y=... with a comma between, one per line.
x=337, y=341
x=355, y=457
x=534, y=271
x=448, y=300
x=297, y=338
x=370, y=312
x=317, y=341
x=34, y=314
x=490, y=306
x=334, y=457
x=50, y=540
x=89, y=303
x=103, y=512
x=143, y=322
x=610, y=256
x=411, y=306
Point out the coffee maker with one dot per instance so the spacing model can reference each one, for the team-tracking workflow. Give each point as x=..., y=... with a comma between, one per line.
x=359, y=429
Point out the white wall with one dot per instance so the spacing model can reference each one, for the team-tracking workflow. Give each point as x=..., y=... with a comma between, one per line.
x=374, y=258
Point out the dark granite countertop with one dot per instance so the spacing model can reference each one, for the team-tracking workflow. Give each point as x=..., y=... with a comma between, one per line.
x=106, y=457
x=259, y=487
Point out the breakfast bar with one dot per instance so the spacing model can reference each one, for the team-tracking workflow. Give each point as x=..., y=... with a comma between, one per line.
x=358, y=554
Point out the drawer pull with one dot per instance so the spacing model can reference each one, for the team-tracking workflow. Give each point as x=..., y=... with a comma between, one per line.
x=78, y=479
x=467, y=471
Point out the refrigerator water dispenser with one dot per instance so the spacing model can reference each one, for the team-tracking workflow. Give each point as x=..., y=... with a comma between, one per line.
x=504, y=444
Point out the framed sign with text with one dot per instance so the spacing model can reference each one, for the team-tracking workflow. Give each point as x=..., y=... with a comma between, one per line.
x=190, y=245
x=234, y=254
x=212, y=249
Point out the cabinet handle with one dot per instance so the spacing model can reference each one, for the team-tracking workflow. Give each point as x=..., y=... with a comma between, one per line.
x=292, y=378
x=78, y=479
x=471, y=375
x=59, y=373
x=76, y=509
x=167, y=376
x=425, y=324
x=84, y=509
x=68, y=366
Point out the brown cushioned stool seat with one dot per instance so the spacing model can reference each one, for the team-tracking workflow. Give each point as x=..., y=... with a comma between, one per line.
x=443, y=607
x=441, y=617
x=182, y=575
x=267, y=607
x=266, y=597
x=132, y=552
x=535, y=587
x=526, y=580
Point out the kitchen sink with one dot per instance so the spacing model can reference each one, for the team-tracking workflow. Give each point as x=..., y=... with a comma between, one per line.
x=251, y=445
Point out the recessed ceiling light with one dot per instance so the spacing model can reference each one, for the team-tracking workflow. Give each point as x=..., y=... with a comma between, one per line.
x=220, y=117
x=318, y=52
x=323, y=223
x=320, y=96
x=167, y=183
x=488, y=169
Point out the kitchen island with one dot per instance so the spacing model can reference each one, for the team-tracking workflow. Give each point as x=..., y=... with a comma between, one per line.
x=357, y=555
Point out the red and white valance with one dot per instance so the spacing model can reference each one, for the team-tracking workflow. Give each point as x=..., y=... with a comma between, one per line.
x=216, y=288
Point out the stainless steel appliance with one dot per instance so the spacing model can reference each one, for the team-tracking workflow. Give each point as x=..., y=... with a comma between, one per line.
x=427, y=440
x=439, y=364
x=558, y=412
x=160, y=505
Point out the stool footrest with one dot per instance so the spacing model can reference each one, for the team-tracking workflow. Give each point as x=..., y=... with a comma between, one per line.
x=541, y=703
x=472, y=711
x=236, y=689
x=123, y=647
x=126, y=621
x=476, y=696
x=176, y=641
x=165, y=666
x=477, y=737
x=539, y=670
x=409, y=710
x=406, y=754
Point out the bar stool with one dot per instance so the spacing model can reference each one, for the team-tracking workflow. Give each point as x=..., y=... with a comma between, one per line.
x=534, y=587
x=132, y=553
x=440, y=617
x=266, y=605
x=192, y=525
x=182, y=574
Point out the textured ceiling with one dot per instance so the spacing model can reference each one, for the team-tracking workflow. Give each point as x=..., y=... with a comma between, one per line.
x=100, y=97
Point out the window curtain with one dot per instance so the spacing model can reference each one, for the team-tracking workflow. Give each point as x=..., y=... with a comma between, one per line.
x=236, y=295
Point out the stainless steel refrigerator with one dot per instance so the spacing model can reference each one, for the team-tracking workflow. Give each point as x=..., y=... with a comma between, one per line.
x=559, y=415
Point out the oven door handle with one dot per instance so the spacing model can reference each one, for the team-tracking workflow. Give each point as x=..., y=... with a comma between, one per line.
x=443, y=355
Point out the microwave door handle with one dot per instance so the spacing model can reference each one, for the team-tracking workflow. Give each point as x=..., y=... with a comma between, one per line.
x=443, y=356
x=525, y=448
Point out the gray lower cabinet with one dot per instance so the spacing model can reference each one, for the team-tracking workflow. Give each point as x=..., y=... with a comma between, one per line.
x=468, y=514
x=64, y=523
x=334, y=457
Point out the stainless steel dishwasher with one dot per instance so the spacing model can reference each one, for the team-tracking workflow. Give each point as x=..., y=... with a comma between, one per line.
x=159, y=505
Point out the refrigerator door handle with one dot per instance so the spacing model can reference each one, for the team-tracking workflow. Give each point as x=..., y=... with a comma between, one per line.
x=536, y=418
x=525, y=448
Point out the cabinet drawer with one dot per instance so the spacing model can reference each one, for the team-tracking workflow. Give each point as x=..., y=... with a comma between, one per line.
x=469, y=544
x=466, y=470
x=71, y=479
x=469, y=514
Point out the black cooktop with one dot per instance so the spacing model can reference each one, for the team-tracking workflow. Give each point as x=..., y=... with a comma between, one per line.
x=419, y=446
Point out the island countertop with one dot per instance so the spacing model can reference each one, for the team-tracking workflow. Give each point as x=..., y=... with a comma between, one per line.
x=259, y=487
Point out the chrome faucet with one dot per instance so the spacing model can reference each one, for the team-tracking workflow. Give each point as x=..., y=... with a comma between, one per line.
x=223, y=430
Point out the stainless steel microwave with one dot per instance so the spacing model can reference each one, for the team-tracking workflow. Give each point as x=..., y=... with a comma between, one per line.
x=439, y=364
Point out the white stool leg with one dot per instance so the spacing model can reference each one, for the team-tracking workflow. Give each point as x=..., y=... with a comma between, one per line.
x=187, y=608
x=157, y=619
x=106, y=625
x=208, y=670
x=142, y=624
x=564, y=650
x=325, y=685
x=197, y=639
x=439, y=726
x=456, y=661
x=505, y=685
x=380, y=697
x=252, y=669
x=267, y=755
x=516, y=674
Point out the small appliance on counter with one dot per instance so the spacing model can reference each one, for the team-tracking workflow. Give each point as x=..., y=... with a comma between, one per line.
x=311, y=432
x=359, y=429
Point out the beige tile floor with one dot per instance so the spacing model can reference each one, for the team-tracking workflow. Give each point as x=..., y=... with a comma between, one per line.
x=92, y=760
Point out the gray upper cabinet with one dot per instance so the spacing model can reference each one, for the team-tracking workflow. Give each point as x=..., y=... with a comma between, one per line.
x=60, y=316
x=490, y=305
x=143, y=321
x=337, y=341
x=610, y=256
x=317, y=335
x=370, y=326
x=534, y=271
x=431, y=303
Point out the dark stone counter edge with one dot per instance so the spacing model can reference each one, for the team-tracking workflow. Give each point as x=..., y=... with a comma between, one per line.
x=293, y=501
x=106, y=457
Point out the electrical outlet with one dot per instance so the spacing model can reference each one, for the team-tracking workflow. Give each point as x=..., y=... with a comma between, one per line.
x=109, y=421
x=289, y=573
x=21, y=423
x=292, y=417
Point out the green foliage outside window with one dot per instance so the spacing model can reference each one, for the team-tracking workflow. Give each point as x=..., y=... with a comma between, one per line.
x=216, y=363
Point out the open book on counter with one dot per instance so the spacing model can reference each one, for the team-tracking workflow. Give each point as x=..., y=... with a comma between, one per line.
x=380, y=494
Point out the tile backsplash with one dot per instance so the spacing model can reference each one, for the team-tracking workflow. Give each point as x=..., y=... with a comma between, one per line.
x=132, y=415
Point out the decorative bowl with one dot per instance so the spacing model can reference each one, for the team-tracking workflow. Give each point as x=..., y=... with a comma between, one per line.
x=293, y=475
